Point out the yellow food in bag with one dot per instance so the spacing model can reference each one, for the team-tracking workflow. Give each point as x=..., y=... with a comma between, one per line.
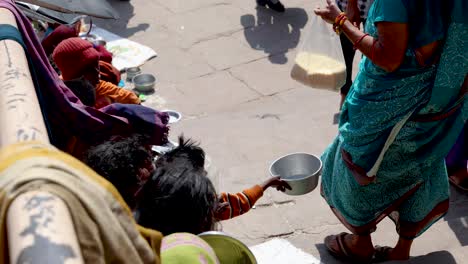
x=318, y=71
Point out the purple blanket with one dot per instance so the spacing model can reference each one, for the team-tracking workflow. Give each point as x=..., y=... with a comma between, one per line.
x=66, y=116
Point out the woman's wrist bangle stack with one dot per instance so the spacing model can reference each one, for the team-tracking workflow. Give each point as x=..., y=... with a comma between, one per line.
x=339, y=22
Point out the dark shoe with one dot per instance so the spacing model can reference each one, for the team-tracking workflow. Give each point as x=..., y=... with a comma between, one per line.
x=262, y=2
x=278, y=7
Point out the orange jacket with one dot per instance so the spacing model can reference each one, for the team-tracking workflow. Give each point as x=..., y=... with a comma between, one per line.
x=115, y=94
x=238, y=203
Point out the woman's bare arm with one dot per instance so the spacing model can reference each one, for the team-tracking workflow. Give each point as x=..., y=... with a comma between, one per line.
x=389, y=48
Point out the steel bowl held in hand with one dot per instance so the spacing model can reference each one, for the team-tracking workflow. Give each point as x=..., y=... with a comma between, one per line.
x=300, y=170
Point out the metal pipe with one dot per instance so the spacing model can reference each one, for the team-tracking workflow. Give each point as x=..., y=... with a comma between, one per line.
x=20, y=113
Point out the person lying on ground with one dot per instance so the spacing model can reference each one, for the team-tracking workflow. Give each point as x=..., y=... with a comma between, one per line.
x=180, y=197
x=78, y=58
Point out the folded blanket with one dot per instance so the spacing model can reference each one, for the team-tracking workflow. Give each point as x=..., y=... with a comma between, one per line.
x=103, y=223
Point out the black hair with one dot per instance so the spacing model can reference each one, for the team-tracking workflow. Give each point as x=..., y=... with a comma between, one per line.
x=119, y=161
x=179, y=197
x=84, y=90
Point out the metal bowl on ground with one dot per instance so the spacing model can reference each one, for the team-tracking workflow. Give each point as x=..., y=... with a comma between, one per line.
x=144, y=82
x=228, y=249
x=89, y=37
x=174, y=116
x=100, y=42
x=132, y=72
x=161, y=150
x=300, y=170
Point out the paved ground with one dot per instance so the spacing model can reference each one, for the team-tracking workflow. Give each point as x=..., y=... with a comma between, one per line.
x=225, y=65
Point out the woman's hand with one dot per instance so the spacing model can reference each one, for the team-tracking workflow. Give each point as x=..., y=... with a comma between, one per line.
x=328, y=13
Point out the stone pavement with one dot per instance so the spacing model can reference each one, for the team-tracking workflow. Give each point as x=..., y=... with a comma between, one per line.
x=225, y=66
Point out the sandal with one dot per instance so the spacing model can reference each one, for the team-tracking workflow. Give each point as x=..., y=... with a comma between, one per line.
x=381, y=254
x=343, y=251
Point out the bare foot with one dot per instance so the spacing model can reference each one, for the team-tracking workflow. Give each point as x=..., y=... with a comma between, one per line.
x=460, y=179
x=383, y=254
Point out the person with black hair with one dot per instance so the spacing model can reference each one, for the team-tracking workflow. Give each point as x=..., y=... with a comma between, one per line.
x=126, y=162
x=181, y=198
x=84, y=90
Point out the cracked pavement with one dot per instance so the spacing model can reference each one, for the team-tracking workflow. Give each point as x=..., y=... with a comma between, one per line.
x=225, y=66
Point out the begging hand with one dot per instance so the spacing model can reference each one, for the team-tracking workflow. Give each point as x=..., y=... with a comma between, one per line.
x=328, y=13
x=276, y=182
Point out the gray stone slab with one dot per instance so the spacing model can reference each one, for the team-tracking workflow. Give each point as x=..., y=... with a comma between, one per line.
x=265, y=77
x=181, y=6
x=211, y=94
x=224, y=52
x=260, y=224
x=176, y=65
x=206, y=23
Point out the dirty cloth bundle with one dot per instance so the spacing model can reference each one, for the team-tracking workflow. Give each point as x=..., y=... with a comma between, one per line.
x=103, y=223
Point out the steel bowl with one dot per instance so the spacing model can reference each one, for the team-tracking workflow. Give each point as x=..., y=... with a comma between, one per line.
x=144, y=82
x=100, y=42
x=132, y=72
x=174, y=116
x=300, y=170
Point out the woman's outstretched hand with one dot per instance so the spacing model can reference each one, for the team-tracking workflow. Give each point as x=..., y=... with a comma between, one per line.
x=328, y=13
x=276, y=182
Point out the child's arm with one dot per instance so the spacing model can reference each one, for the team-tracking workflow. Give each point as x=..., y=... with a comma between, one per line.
x=232, y=205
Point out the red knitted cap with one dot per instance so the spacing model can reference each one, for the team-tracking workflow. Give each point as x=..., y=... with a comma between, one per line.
x=61, y=33
x=73, y=56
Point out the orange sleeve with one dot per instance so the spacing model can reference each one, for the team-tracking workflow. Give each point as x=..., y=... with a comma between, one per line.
x=238, y=203
x=115, y=93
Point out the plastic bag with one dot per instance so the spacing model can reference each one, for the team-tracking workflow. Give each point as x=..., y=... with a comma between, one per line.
x=319, y=61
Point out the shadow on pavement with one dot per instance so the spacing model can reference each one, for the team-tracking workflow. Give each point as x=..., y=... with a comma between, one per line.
x=274, y=33
x=435, y=257
x=120, y=26
x=457, y=216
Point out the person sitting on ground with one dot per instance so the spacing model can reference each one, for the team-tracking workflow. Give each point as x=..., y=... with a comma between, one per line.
x=108, y=72
x=126, y=162
x=77, y=58
x=181, y=198
x=59, y=34
x=84, y=90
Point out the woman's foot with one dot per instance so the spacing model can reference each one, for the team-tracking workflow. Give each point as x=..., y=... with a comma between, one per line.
x=460, y=179
x=383, y=254
x=400, y=252
x=353, y=248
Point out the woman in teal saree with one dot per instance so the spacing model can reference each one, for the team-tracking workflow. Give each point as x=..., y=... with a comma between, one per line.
x=404, y=112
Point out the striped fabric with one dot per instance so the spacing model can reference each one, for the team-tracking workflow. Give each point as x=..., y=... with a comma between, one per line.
x=238, y=203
